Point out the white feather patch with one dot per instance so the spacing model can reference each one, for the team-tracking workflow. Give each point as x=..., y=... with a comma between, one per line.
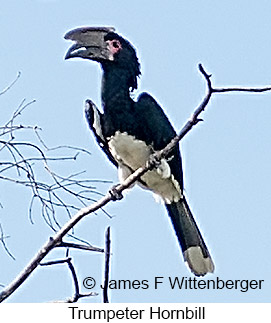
x=164, y=169
x=197, y=262
x=131, y=153
x=96, y=120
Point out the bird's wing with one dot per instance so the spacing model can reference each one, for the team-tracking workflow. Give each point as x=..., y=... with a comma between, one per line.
x=156, y=130
x=94, y=119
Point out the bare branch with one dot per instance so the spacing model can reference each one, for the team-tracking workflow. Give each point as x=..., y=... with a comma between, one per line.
x=51, y=196
x=119, y=188
x=24, y=162
x=68, y=260
x=107, y=265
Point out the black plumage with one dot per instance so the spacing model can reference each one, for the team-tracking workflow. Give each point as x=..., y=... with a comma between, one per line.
x=130, y=131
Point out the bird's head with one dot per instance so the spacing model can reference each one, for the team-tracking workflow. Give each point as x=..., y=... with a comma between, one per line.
x=105, y=46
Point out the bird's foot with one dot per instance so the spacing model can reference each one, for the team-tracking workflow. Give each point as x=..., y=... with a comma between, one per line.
x=116, y=196
x=154, y=161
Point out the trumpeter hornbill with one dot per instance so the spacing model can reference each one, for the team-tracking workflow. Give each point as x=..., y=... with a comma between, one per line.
x=129, y=132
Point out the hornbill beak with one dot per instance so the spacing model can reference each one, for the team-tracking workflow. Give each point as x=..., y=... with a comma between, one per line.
x=89, y=43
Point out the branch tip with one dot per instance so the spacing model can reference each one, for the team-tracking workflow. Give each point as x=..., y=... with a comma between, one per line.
x=197, y=120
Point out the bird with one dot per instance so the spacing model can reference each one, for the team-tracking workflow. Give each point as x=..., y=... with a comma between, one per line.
x=129, y=132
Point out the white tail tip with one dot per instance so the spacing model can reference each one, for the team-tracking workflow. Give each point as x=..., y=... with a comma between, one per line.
x=198, y=264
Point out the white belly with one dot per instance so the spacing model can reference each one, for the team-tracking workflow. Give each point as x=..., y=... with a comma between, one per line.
x=131, y=154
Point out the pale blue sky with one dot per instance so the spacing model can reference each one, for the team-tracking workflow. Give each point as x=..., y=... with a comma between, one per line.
x=226, y=158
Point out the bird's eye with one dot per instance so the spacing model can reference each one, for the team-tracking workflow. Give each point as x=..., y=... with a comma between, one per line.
x=116, y=44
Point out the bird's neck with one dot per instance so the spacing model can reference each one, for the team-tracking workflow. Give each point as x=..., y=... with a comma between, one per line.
x=115, y=89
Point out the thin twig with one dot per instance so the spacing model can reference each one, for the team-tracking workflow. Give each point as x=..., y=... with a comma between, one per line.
x=50, y=196
x=236, y=89
x=55, y=262
x=107, y=265
x=9, y=86
x=68, y=260
x=75, y=281
x=2, y=240
x=79, y=246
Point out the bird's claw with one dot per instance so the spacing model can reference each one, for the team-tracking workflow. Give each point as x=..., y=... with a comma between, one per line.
x=154, y=161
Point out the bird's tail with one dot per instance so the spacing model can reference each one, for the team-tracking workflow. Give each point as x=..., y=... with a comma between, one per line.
x=193, y=246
